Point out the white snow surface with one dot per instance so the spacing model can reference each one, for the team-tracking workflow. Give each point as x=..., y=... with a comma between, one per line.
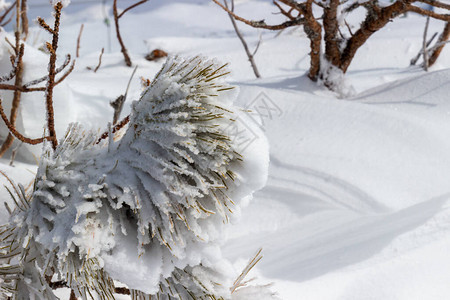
x=357, y=205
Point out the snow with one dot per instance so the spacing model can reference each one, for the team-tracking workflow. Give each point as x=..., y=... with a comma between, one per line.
x=357, y=204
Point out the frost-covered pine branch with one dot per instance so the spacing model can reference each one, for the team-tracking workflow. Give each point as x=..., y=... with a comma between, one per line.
x=147, y=210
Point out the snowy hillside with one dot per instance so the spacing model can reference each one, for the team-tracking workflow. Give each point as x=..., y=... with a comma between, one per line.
x=357, y=205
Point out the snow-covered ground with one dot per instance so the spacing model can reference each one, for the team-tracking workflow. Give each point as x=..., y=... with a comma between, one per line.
x=357, y=205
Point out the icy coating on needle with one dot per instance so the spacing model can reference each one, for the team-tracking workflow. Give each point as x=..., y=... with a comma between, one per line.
x=147, y=210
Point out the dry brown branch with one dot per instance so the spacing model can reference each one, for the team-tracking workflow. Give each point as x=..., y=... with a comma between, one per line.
x=14, y=153
x=131, y=7
x=262, y=23
x=124, y=50
x=116, y=128
x=416, y=58
x=443, y=38
x=18, y=135
x=435, y=3
x=46, y=77
x=67, y=73
x=19, y=50
x=244, y=43
x=117, y=104
x=79, y=40
x=287, y=14
x=5, y=14
x=45, y=26
x=51, y=76
x=22, y=89
x=424, y=12
x=24, y=19
x=99, y=60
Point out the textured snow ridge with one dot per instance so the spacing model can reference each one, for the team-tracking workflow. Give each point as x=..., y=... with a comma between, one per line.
x=147, y=210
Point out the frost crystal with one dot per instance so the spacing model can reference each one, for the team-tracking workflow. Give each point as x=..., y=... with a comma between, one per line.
x=147, y=210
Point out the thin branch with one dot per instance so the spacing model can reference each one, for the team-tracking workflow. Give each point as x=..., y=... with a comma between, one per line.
x=424, y=45
x=18, y=135
x=117, y=104
x=244, y=43
x=24, y=19
x=284, y=12
x=119, y=37
x=5, y=14
x=14, y=153
x=416, y=58
x=262, y=23
x=10, y=87
x=131, y=7
x=348, y=28
x=79, y=40
x=435, y=3
x=51, y=77
x=19, y=50
x=257, y=45
x=116, y=128
x=15, y=65
x=6, y=22
x=421, y=11
x=46, y=77
x=99, y=61
x=67, y=73
x=45, y=26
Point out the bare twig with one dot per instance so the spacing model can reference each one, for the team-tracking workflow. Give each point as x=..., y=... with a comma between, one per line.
x=424, y=45
x=131, y=7
x=67, y=73
x=18, y=135
x=262, y=23
x=19, y=50
x=24, y=19
x=425, y=12
x=52, y=73
x=244, y=43
x=436, y=3
x=416, y=58
x=117, y=104
x=124, y=50
x=116, y=128
x=14, y=153
x=79, y=40
x=6, y=13
x=22, y=89
x=46, y=77
x=99, y=60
